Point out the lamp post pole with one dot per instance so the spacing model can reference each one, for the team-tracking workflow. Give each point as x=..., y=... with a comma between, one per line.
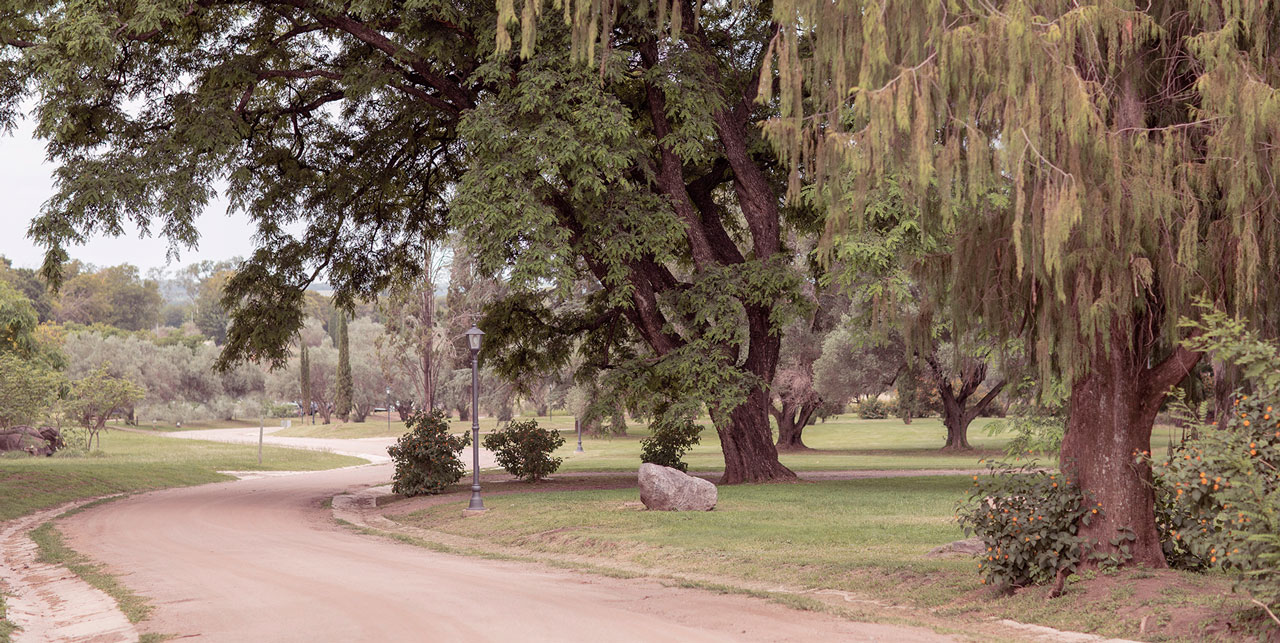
x=473, y=341
x=577, y=426
x=388, y=410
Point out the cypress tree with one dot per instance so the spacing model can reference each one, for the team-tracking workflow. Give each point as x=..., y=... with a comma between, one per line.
x=304, y=381
x=342, y=396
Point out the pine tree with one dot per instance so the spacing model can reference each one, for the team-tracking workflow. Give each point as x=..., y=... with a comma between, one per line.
x=342, y=396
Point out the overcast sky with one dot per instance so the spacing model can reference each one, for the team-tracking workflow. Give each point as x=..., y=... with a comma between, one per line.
x=26, y=183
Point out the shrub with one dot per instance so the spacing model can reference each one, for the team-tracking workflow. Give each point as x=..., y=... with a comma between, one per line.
x=524, y=450
x=668, y=441
x=873, y=409
x=1027, y=521
x=427, y=457
x=1218, y=498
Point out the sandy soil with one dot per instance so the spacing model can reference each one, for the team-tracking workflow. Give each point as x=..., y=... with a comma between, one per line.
x=262, y=560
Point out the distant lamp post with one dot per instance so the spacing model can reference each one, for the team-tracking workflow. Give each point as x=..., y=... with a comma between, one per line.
x=473, y=341
x=577, y=426
x=388, y=409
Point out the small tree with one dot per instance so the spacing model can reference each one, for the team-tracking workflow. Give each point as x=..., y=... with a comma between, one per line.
x=97, y=396
x=26, y=390
x=524, y=449
x=426, y=457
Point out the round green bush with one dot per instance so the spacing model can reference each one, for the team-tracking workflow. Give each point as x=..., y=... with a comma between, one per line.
x=524, y=449
x=873, y=409
x=427, y=456
x=668, y=441
x=1027, y=520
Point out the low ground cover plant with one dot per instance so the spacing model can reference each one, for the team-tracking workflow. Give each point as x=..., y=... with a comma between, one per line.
x=427, y=457
x=524, y=449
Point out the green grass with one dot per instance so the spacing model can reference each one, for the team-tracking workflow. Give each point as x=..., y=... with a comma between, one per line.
x=6, y=628
x=243, y=423
x=377, y=427
x=867, y=537
x=755, y=532
x=139, y=462
x=54, y=550
x=841, y=443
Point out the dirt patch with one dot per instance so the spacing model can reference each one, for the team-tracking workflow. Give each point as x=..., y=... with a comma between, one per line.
x=1164, y=604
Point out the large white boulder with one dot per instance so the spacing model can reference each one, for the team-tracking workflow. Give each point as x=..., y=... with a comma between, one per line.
x=666, y=489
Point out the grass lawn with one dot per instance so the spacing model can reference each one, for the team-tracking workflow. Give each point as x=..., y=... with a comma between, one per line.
x=861, y=539
x=841, y=443
x=140, y=462
x=376, y=427
x=242, y=423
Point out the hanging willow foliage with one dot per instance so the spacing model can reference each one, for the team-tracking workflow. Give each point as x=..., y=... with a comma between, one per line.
x=1136, y=147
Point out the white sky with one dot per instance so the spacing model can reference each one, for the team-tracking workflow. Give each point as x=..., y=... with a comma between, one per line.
x=26, y=183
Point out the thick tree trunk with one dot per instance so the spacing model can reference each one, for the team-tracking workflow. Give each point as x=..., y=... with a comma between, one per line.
x=1112, y=411
x=746, y=440
x=957, y=423
x=791, y=423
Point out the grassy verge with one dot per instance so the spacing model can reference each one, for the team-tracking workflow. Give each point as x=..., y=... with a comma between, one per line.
x=54, y=551
x=863, y=539
x=138, y=462
x=6, y=628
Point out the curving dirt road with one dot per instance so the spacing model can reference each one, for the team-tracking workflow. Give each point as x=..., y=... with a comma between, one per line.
x=262, y=560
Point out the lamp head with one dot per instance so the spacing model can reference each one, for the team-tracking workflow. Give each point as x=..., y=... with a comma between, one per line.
x=473, y=338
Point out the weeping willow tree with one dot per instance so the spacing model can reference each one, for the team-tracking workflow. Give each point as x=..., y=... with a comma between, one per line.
x=1096, y=166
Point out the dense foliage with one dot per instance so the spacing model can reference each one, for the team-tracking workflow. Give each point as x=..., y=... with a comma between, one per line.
x=1218, y=492
x=670, y=437
x=427, y=457
x=524, y=450
x=1027, y=519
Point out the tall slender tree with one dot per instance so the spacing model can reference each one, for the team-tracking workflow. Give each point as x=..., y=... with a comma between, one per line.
x=342, y=392
x=304, y=382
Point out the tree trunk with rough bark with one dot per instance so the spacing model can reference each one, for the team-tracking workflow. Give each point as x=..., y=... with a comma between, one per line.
x=791, y=420
x=747, y=442
x=956, y=415
x=1112, y=411
x=427, y=321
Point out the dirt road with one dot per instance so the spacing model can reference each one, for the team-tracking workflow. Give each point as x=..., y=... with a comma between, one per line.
x=262, y=560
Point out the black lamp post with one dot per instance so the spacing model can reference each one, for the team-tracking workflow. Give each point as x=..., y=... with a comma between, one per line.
x=388, y=410
x=473, y=341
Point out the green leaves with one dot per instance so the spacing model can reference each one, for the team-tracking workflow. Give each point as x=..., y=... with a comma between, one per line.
x=426, y=457
x=524, y=450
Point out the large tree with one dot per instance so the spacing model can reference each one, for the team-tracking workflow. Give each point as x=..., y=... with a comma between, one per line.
x=356, y=122
x=1095, y=167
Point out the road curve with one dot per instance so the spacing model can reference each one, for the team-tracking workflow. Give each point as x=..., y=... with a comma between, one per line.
x=262, y=560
